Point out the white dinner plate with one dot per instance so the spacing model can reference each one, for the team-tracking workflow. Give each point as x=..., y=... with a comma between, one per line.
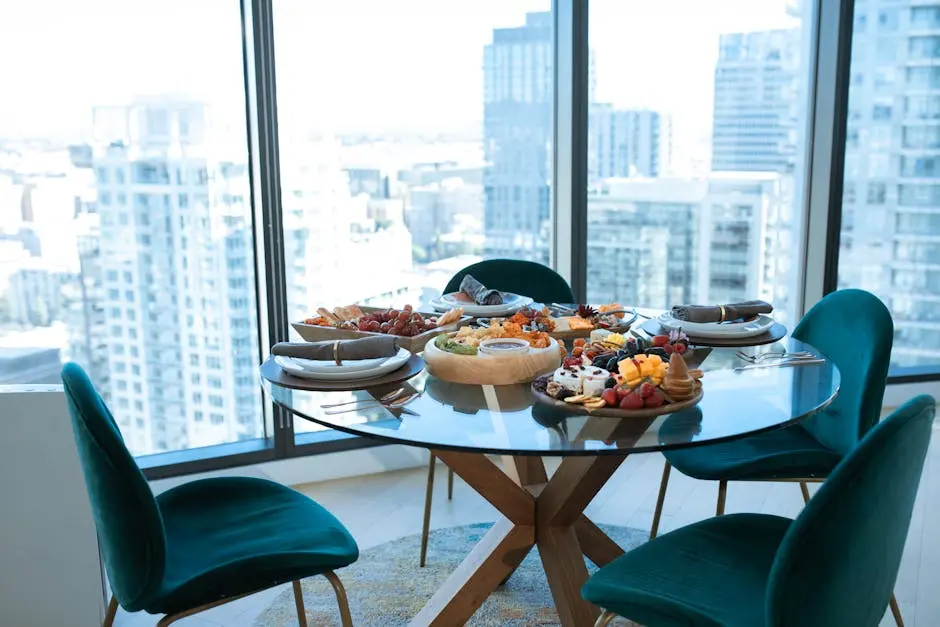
x=511, y=304
x=717, y=330
x=356, y=365
x=390, y=364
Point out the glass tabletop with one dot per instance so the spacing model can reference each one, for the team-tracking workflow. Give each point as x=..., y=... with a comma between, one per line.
x=508, y=420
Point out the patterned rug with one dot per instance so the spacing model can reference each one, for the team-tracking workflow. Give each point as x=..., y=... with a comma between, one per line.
x=386, y=587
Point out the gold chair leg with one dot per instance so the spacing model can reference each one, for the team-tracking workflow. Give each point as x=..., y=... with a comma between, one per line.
x=805, y=490
x=425, y=529
x=450, y=484
x=172, y=618
x=112, y=612
x=896, y=611
x=299, y=602
x=657, y=515
x=341, y=600
x=605, y=619
x=722, y=495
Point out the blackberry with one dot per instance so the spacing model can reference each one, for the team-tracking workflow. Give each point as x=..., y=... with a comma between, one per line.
x=564, y=393
x=611, y=382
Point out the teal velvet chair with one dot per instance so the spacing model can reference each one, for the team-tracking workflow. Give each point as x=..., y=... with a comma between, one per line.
x=836, y=564
x=201, y=544
x=854, y=329
x=527, y=278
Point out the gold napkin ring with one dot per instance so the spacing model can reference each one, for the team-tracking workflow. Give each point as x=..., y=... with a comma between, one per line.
x=339, y=362
x=723, y=312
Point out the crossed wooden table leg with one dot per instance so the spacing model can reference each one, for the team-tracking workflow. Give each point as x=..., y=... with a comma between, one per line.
x=536, y=511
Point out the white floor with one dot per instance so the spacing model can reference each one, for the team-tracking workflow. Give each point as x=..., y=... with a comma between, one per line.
x=379, y=508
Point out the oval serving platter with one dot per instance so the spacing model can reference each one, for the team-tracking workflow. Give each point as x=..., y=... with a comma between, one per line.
x=613, y=412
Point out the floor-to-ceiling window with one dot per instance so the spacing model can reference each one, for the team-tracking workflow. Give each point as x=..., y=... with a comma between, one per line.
x=696, y=151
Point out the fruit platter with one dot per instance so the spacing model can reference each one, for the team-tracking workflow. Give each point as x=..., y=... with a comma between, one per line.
x=414, y=329
x=500, y=354
x=587, y=318
x=621, y=378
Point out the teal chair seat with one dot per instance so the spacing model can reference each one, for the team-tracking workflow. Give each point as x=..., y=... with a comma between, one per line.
x=835, y=565
x=234, y=535
x=672, y=583
x=790, y=453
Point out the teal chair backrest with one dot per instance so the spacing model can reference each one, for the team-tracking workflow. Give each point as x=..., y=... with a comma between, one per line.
x=838, y=562
x=526, y=278
x=854, y=329
x=130, y=529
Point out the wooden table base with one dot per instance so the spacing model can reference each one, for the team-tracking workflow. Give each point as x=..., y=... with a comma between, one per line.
x=536, y=511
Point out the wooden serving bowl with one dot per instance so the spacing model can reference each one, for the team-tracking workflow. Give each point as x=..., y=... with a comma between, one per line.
x=483, y=369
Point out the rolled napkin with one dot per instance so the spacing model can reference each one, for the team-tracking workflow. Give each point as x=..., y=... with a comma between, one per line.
x=721, y=313
x=339, y=350
x=478, y=292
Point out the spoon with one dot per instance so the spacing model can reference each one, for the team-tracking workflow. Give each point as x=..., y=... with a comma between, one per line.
x=391, y=396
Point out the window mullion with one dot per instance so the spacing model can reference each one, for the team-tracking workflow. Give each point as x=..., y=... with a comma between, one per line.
x=261, y=107
x=569, y=249
x=830, y=69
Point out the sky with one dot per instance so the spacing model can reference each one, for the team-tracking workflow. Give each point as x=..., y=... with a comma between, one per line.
x=343, y=65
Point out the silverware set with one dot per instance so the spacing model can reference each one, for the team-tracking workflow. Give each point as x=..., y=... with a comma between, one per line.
x=395, y=399
x=778, y=359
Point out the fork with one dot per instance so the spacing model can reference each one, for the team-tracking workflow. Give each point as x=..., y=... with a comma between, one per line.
x=759, y=358
x=370, y=404
x=387, y=398
x=782, y=364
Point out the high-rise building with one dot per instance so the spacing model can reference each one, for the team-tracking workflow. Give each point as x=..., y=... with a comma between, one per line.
x=757, y=87
x=335, y=253
x=891, y=203
x=87, y=317
x=627, y=142
x=517, y=135
x=665, y=241
x=178, y=278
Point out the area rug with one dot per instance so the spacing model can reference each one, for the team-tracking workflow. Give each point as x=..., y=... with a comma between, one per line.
x=386, y=587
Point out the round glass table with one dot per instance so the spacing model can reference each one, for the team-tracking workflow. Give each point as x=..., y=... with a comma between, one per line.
x=463, y=425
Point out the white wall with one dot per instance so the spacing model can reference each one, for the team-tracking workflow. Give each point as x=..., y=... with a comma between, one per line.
x=50, y=573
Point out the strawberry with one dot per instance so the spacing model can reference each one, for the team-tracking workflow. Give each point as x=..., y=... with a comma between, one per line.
x=646, y=389
x=610, y=397
x=622, y=390
x=631, y=401
x=681, y=348
x=660, y=340
x=654, y=400
x=669, y=348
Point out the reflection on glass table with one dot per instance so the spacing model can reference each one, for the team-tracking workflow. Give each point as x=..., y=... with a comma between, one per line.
x=508, y=420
